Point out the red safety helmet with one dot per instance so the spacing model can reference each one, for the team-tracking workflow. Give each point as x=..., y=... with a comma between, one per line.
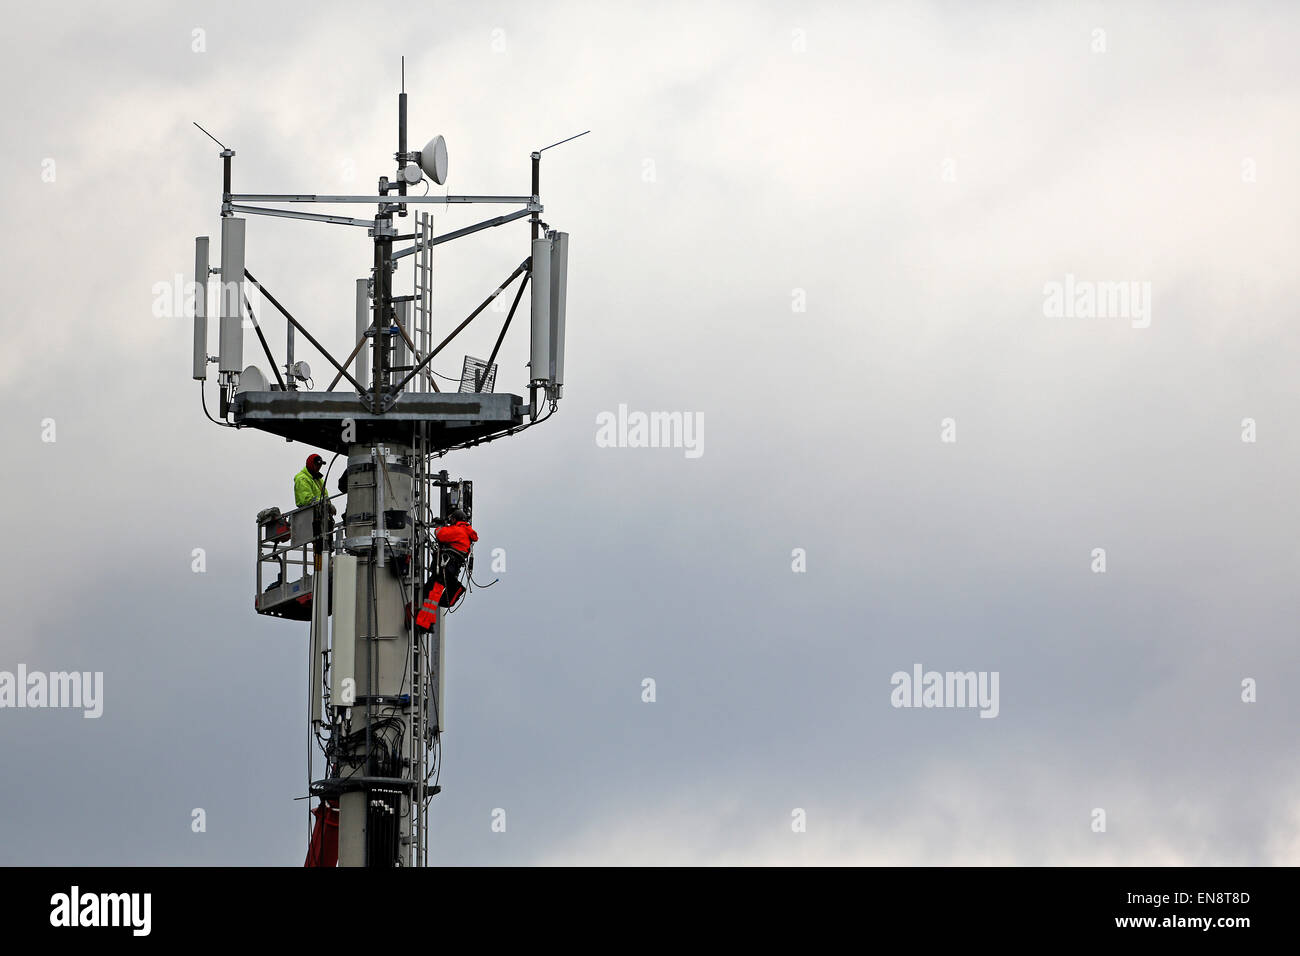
x=313, y=460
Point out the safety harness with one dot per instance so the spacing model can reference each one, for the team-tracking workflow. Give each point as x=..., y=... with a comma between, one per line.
x=428, y=615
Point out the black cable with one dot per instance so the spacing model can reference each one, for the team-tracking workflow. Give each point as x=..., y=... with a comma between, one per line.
x=326, y=742
x=370, y=643
x=326, y=478
x=321, y=741
x=316, y=726
x=466, y=589
x=406, y=666
x=203, y=395
x=509, y=431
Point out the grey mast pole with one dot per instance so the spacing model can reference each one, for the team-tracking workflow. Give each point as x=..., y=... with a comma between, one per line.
x=375, y=821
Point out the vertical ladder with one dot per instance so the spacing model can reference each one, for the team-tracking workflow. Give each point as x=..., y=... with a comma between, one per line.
x=422, y=744
x=422, y=334
x=424, y=707
x=422, y=337
x=417, y=747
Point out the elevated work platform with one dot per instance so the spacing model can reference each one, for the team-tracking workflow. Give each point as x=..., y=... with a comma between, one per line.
x=286, y=546
x=318, y=418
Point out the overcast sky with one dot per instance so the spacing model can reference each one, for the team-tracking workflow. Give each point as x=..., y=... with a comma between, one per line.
x=823, y=231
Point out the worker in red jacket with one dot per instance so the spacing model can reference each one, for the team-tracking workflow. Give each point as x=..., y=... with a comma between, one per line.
x=456, y=538
x=456, y=534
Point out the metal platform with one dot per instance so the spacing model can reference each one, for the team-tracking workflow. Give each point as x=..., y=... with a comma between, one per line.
x=284, y=548
x=291, y=601
x=317, y=418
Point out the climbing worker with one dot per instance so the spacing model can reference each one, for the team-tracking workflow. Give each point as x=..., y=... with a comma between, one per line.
x=456, y=537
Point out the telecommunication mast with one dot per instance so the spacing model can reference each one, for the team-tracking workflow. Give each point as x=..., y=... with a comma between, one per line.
x=377, y=703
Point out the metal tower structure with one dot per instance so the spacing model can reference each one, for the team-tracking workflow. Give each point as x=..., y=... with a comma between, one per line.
x=377, y=678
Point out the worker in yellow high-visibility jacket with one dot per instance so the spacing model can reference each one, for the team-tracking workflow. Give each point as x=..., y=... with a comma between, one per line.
x=309, y=484
x=308, y=488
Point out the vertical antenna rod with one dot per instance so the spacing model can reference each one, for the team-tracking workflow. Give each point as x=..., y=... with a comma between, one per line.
x=401, y=134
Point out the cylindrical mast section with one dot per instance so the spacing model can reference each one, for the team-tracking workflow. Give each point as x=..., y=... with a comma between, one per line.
x=537, y=193
x=289, y=374
x=536, y=222
x=375, y=808
x=401, y=140
x=226, y=155
x=383, y=275
x=540, y=352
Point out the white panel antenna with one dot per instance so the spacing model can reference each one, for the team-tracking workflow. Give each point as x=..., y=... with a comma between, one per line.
x=559, y=300
x=201, y=308
x=231, y=354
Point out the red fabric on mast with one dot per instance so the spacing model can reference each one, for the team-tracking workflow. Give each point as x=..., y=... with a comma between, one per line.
x=324, y=847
